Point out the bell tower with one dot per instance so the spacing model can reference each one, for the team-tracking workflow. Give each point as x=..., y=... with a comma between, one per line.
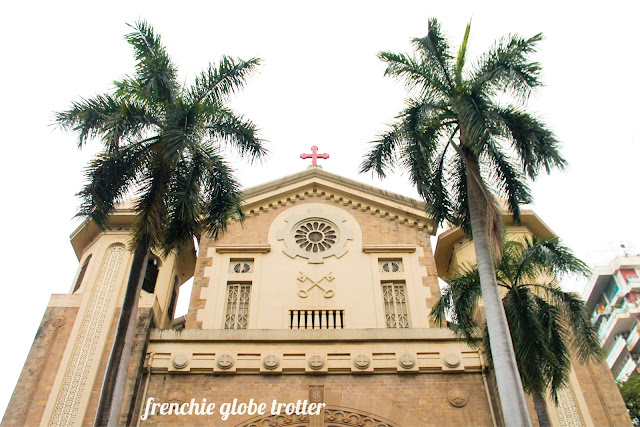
x=62, y=377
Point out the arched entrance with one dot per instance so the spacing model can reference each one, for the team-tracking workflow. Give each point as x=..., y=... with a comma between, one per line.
x=332, y=416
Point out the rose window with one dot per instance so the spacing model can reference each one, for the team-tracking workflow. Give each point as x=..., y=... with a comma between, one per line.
x=315, y=236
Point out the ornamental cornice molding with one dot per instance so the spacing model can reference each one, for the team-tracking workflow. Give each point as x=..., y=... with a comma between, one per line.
x=378, y=209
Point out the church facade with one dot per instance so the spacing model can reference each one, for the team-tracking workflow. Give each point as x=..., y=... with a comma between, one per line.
x=322, y=296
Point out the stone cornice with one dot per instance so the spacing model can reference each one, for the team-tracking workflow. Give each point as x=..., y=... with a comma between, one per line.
x=302, y=335
x=243, y=249
x=372, y=249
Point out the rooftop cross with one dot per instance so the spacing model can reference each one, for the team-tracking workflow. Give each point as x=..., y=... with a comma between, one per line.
x=314, y=156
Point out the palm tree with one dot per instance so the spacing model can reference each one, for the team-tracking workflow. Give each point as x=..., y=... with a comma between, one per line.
x=162, y=146
x=546, y=323
x=498, y=146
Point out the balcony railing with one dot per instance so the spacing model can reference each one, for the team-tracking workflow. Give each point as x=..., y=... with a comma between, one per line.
x=633, y=334
x=316, y=319
x=614, y=353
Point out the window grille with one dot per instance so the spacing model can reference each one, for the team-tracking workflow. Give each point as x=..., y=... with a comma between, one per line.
x=83, y=270
x=316, y=319
x=391, y=266
x=237, y=314
x=150, y=276
x=241, y=266
x=395, y=305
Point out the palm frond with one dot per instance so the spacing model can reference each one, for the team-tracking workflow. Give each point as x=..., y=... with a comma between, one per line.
x=154, y=70
x=506, y=68
x=184, y=204
x=222, y=200
x=460, y=299
x=434, y=50
x=536, y=145
x=109, y=176
x=239, y=133
x=462, y=57
x=510, y=182
x=107, y=117
x=381, y=157
x=218, y=82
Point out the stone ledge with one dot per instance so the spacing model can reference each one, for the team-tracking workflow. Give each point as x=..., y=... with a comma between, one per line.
x=303, y=335
x=373, y=249
x=244, y=249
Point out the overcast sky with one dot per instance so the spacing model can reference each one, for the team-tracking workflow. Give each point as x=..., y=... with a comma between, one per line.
x=320, y=83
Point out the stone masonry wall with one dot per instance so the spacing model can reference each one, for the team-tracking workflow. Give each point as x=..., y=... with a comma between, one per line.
x=32, y=391
x=411, y=400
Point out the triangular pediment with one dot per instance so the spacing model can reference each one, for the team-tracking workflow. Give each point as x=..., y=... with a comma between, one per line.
x=316, y=182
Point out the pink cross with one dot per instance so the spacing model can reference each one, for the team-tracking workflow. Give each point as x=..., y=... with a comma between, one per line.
x=315, y=156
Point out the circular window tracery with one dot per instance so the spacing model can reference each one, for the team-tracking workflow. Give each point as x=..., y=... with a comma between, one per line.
x=315, y=235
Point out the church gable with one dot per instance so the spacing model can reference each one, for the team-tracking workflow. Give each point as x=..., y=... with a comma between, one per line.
x=319, y=256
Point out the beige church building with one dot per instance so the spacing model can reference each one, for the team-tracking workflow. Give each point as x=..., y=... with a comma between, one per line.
x=323, y=294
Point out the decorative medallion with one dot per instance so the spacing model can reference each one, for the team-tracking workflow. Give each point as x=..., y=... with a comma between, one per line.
x=59, y=321
x=225, y=361
x=316, y=362
x=407, y=361
x=303, y=290
x=271, y=362
x=451, y=360
x=180, y=361
x=315, y=235
x=362, y=361
x=457, y=398
x=316, y=393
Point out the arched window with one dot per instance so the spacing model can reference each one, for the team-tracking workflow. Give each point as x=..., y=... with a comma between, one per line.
x=171, y=310
x=151, y=275
x=83, y=270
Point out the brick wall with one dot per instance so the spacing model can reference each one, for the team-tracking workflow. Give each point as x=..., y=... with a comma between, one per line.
x=32, y=391
x=409, y=400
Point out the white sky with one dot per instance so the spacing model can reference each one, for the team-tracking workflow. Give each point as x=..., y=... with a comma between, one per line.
x=320, y=83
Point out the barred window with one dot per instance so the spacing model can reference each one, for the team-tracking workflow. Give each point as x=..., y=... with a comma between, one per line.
x=237, y=314
x=83, y=270
x=151, y=275
x=395, y=304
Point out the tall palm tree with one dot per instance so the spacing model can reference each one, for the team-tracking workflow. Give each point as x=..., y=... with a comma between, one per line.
x=162, y=146
x=462, y=141
x=545, y=322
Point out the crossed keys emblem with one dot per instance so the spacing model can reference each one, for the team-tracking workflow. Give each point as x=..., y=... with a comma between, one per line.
x=303, y=293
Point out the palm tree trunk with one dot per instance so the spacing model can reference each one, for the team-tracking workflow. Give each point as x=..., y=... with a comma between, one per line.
x=115, y=376
x=541, y=409
x=512, y=398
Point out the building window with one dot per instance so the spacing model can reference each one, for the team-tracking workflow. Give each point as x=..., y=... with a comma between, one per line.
x=83, y=270
x=171, y=310
x=151, y=275
x=390, y=266
x=237, y=314
x=316, y=235
x=395, y=305
x=241, y=266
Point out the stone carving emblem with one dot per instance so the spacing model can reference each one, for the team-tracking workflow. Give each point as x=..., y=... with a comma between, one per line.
x=362, y=361
x=271, y=362
x=303, y=293
x=451, y=360
x=315, y=235
x=225, y=361
x=457, y=398
x=180, y=361
x=59, y=321
x=407, y=361
x=316, y=362
x=316, y=393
